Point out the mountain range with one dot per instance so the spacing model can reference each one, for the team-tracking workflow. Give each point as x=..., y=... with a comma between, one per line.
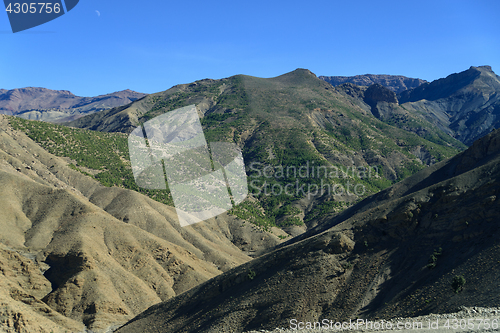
x=465, y=105
x=82, y=247
x=58, y=105
x=294, y=119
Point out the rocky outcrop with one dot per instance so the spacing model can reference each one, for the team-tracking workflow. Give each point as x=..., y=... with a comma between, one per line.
x=396, y=83
x=380, y=101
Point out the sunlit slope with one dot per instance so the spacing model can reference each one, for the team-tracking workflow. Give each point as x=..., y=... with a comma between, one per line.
x=99, y=255
x=292, y=121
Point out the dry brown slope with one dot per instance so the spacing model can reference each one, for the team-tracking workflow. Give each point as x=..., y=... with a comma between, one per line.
x=371, y=261
x=111, y=252
x=22, y=285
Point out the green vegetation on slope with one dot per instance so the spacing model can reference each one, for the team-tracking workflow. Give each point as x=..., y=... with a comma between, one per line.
x=106, y=154
x=283, y=125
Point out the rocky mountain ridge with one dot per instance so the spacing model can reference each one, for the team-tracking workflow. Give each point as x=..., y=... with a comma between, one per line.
x=396, y=83
x=466, y=105
x=59, y=105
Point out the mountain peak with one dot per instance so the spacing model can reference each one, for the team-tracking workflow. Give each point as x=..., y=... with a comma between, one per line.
x=298, y=76
x=482, y=68
x=453, y=84
x=303, y=71
x=467, y=103
x=300, y=72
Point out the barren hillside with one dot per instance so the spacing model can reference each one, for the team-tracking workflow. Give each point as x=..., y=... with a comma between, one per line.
x=74, y=252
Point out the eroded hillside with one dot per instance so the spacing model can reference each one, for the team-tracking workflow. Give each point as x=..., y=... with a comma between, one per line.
x=75, y=253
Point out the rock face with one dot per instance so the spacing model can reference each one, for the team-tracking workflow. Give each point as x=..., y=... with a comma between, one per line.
x=22, y=286
x=378, y=93
x=59, y=105
x=466, y=105
x=379, y=100
x=394, y=254
x=396, y=83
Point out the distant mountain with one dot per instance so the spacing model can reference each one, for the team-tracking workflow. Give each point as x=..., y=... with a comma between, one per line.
x=428, y=244
x=466, y=105
x=396, y=83
x=58, y=105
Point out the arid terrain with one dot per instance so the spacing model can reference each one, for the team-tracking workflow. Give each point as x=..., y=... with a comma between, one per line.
x=84, y=249
x=75, y=253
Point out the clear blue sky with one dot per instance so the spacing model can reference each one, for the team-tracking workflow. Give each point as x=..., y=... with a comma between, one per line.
x=149, y=46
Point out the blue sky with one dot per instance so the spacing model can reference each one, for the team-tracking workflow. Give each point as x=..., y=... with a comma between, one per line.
x=148, y=46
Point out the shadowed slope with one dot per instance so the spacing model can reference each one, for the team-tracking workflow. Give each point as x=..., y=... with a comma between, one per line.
x=466, y=105
x=396, y=83
x=373, y=260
